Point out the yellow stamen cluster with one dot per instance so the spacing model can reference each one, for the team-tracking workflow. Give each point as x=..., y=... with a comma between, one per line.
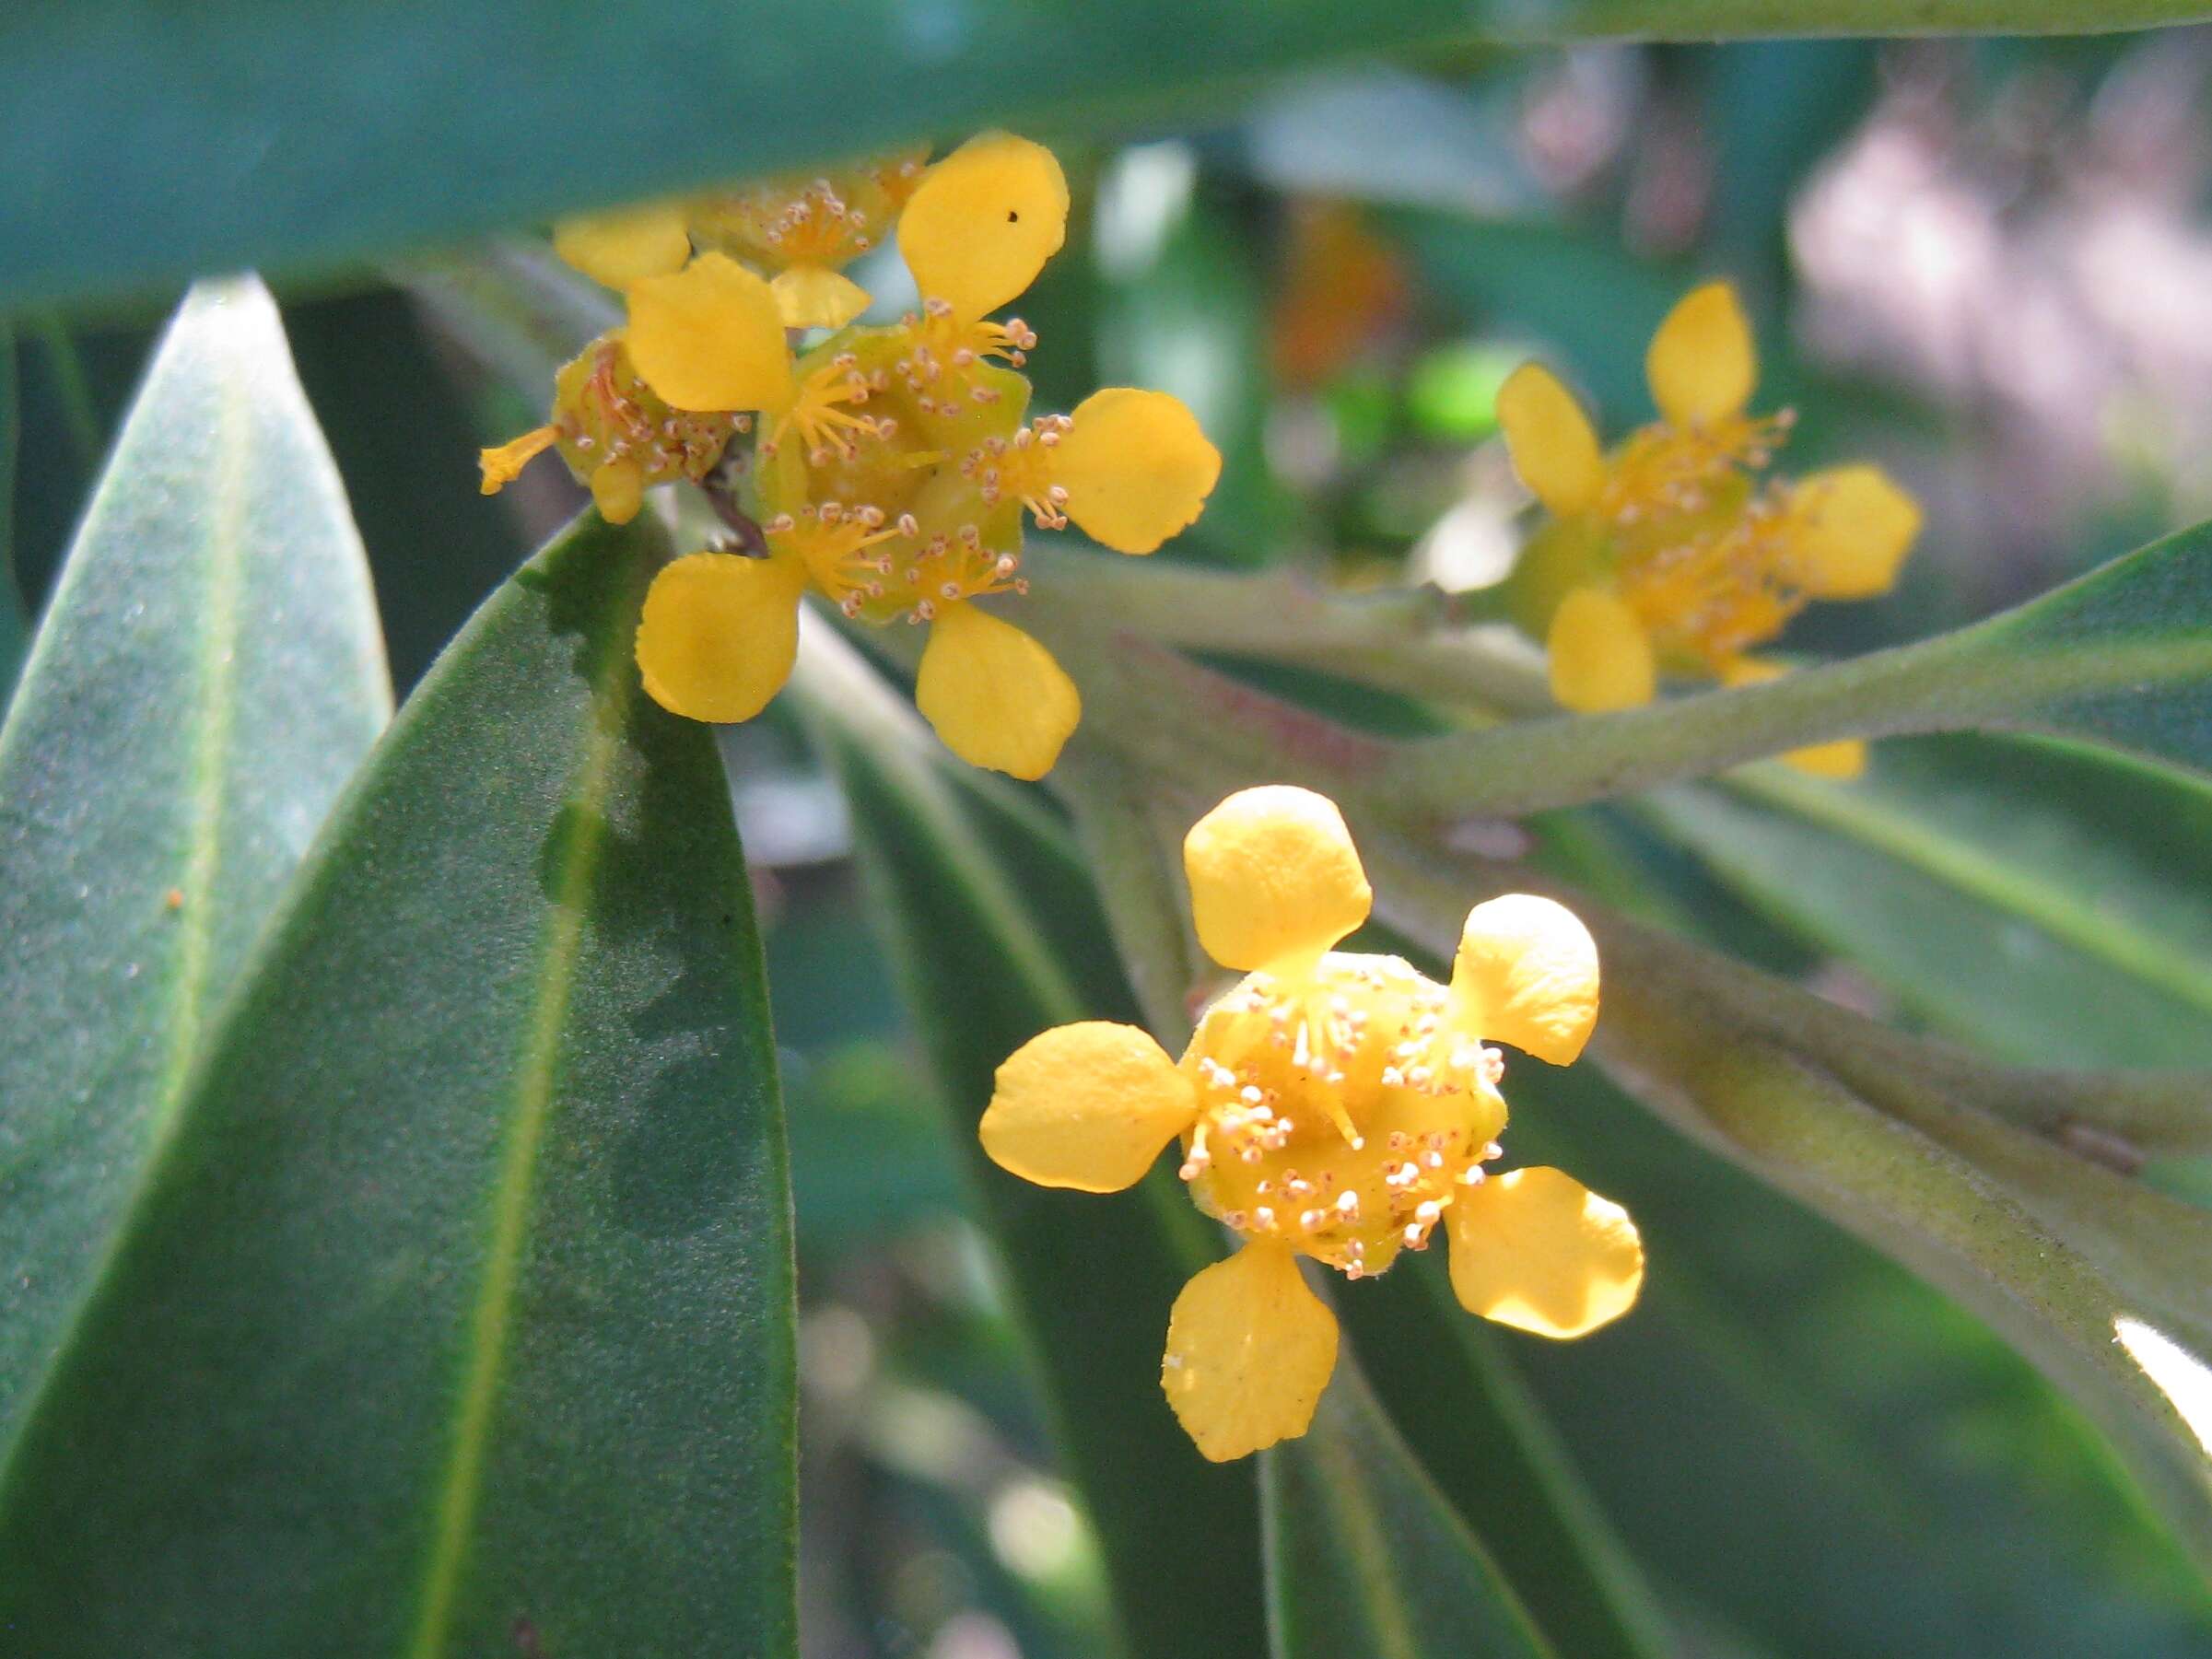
x=1339, y=1110
x=893, y=464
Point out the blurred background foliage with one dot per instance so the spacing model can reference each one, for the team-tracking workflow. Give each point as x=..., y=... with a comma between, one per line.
x=1987, y=264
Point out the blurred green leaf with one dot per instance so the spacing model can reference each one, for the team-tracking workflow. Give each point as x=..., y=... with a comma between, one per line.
x=1782, y=1395
x=15, y=623
x=2118, y=656
x=457, y=1315
x=139, y=143
x=1452, y=1392
x=2044, y=901
x=2061, y=1255
x=961, y=889
x=208, y=674
x=1363, y=1554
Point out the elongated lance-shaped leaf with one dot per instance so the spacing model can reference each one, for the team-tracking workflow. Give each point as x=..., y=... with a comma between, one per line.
x=986, y=967
x=208, y=674
x=457, y=1318
x=2121, y=656
x=141, y=145
x=1365, y=1556
x=2048, y=902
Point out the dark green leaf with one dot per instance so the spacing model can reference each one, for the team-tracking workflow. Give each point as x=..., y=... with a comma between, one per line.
x=208, y=674
x=1363, y=1554
x=984, y=963
x=139, y=143
x=457, y=1318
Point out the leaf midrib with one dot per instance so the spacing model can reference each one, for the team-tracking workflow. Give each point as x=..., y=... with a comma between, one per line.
x=535, y=1077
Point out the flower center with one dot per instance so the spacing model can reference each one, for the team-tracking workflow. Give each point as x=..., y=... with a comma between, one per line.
x=1338, y=1110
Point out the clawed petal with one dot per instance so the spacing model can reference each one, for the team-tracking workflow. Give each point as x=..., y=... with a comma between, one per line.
x=1087, y=1106
x=1853, y=529
x=1274, y=877
x=1600, y=658
x=720, y=634
x=1537, y=1250
x=984, y=222
x=1553, y=446
x=1527, y=974
x=626, y=245
x=1702, y=364
x=1136, y=467
x=710, y=337
x=995, y=695
x=617, y=490
x=1249, y=1350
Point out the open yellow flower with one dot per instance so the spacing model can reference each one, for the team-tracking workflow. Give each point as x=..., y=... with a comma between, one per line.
x=1331, y=1105
x=893, y=465
x=1674, y=554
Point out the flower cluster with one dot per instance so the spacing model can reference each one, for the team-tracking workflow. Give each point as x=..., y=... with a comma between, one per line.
x=1332, y=1105
x=890, y=467
x=1674, y=552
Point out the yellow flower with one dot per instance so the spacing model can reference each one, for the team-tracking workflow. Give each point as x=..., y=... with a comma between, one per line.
x=807, y=230
x=894, y=464
x=616, y=433
x=1674, y=554
x=1331, y=1105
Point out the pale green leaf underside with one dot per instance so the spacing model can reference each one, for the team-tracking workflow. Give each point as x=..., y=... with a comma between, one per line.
x=208, y=674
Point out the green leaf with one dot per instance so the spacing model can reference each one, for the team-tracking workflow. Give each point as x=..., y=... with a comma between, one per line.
x=15, y=623
x=2049, y=902
x=2119, y=656
x=138, y=145
x=457, y=1318
x=987, y=913
x=2061, y=1255
x=208, y=674
x=1452, y=1390
x=1363, y=1554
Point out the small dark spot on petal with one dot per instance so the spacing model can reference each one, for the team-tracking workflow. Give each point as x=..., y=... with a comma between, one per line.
x=1013, y=217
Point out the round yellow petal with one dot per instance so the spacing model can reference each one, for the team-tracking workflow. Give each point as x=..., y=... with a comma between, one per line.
x=984, y=222
x=1087, y=1106
x=1702, y=364
x=995, y=695
x=1600, y=657
x=817, y=296
x=720, y=634
x=626, y=245
x=1136, y=467
x=710, y=337
x=1553, y=446
x=1537, y=1250
x=1853, y=529
x=1527, y=974
x=1274, y=877
x=1249, y=1350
